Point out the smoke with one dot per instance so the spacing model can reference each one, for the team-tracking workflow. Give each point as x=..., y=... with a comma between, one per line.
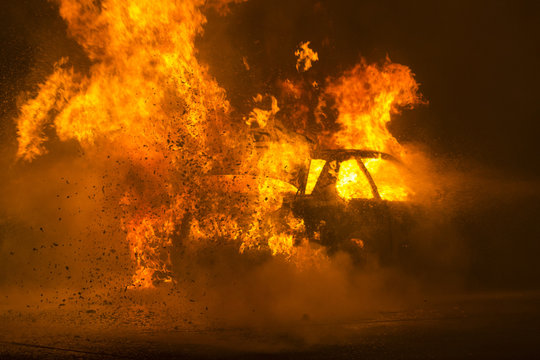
x=92, y=152
x=66, y=217
x=63, y=250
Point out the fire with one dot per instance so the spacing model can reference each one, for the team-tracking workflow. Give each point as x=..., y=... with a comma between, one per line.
x=366, y=96
x=34, y=116
x=281, y=244
x=145, y=237
x=146, y=98
x=352, y=182
x=389, y=179
x=305, y=57
x=261, y=117
x=148, y=103
x=315, y=170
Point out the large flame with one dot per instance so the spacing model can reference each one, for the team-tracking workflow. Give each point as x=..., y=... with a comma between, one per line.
x=366, y=96
x=149, y=103
x=146, y=98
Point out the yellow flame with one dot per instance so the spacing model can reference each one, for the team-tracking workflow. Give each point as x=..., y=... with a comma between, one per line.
x=305, y=57
x=145, y=237
x=315, y=168
x=146, y=97
x=281, y=244
x=147, y=100
x=388, y=179
x=35, y=114
x=365, y=97
x=352, y=183
x=261, y=117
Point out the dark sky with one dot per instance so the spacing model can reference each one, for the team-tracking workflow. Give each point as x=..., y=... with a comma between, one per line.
x=477, y=62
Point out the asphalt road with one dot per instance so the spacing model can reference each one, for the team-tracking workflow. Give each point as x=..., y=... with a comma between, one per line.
x=472, y=326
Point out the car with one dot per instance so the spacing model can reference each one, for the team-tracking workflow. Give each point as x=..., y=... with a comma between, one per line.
x=356, y=201
x=349, y=200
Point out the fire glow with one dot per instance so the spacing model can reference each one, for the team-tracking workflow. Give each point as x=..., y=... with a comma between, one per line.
x=148, y=102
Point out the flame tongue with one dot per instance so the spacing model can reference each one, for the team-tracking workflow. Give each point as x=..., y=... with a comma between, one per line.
x=145, y=87
x=365, y=98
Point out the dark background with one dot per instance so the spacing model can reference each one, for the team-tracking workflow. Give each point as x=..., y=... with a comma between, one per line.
x=477, y=63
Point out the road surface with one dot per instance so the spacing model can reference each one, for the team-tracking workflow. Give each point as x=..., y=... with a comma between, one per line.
x=472, y=326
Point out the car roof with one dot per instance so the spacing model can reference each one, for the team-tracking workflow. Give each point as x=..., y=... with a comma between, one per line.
x=345, y=154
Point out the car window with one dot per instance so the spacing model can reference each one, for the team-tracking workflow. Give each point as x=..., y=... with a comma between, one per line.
x=388, y=178
x=315, y=168
x=352, y=182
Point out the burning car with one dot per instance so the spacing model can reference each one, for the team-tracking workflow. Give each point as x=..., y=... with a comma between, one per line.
x=355, y=200
x=346, y=200
x=165, y=136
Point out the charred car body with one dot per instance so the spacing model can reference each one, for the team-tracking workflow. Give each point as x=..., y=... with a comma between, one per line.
x=343, y=205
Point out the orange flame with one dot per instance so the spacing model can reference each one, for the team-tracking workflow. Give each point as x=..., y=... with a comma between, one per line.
x=352, y=182
x=366, y=96
x=145, y=95
x=147, y=100
x=305, y=57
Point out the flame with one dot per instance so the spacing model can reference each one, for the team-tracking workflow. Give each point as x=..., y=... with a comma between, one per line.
x=34, y=115
x=305, y=57
x=145, y=236
x=281, y=244
x=148, y=103
x=389, y=179
x=315, y=168
x=146, y=99
x=352, y=182
x=261, y=117
x=365, y=97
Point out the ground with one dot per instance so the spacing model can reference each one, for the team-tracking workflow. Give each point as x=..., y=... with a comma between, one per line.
x=489, y=325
